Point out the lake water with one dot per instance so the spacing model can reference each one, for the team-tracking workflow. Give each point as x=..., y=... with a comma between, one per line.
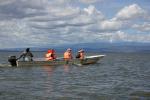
x=118, y=76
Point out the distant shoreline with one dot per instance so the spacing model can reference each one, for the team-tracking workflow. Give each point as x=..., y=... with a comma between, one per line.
x=91, y=47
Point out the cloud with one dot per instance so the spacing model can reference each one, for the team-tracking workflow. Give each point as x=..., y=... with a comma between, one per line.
x=56, y=22
x=68, y=17
x=111, y=25
x=6, y=2
x=21, y=9
x=93, y=12
x=122, y=36
x=131, y=12
x=142, y=27
x=88, y=1
x=106, y=25
x=14, y=33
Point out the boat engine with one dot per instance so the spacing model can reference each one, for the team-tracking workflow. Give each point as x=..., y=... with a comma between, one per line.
x=12, y=60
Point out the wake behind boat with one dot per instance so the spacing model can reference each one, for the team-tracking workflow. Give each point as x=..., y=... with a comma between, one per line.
x=87, y=60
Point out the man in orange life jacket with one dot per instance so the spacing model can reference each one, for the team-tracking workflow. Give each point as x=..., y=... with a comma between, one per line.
x=80, y=54
x=68, y=55
x=50, y=55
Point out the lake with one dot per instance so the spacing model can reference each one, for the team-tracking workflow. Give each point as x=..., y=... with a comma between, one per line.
x=118, y=76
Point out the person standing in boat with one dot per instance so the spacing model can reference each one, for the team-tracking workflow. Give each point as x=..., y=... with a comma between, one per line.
x=50, y=55
x=80, y=54
x=26, y=55
x=68, y=55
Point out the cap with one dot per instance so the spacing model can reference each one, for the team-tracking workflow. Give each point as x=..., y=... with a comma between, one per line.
x=68, y=49
x=81, y=50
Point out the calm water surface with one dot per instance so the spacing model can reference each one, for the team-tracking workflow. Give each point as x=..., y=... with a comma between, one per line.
x=118, y=76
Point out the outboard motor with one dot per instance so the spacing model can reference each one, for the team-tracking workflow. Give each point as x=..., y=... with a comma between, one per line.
x=12, y=60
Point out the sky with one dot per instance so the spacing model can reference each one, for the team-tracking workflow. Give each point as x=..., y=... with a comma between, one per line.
x=45, y=23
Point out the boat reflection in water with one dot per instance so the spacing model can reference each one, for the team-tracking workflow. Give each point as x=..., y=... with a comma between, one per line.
x=66, y=68
x=48, y=69
x=48, y=83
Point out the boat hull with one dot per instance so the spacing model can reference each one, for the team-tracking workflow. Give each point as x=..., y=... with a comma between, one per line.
x=86, y=61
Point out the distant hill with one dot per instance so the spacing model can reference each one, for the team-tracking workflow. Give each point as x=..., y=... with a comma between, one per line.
x=95, y=47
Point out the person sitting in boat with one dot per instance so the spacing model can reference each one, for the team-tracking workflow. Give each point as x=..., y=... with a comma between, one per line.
x=68, y=54
x=50, y=55
x=80, y=54
x=26, y=55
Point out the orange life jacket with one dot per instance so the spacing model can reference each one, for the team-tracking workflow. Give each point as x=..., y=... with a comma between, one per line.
x=67, y=55
x=48, y=56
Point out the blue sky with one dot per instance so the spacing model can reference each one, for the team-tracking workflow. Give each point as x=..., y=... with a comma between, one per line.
x=36, y=23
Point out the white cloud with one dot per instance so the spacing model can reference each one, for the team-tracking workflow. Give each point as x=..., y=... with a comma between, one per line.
x=87, y=16
x=105, y=26
x=68, y=17
x=90, y=10
x=63, y=1
x=143, y=27
x=89, y=1
x=54, y=22
x=122, y=36
x=66, y=11
x=111, y=25
x=131, y=12
x=14, y=33
x=93, y=12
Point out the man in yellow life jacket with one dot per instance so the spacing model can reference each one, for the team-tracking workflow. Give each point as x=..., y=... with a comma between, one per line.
x=68, y=55
x=80, y=54
x=50, y=55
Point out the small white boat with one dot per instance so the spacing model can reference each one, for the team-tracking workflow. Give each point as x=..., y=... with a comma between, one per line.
x=86, y=61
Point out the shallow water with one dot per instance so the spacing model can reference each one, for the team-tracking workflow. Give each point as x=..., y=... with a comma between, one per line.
x=118, y=76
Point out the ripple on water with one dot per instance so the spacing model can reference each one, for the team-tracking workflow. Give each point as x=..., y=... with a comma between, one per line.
x=116, y=77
